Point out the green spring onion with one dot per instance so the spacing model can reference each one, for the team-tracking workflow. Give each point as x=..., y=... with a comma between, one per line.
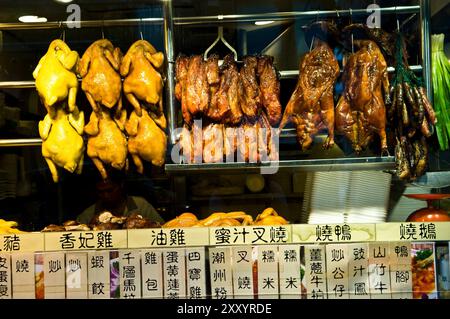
x=440, y=70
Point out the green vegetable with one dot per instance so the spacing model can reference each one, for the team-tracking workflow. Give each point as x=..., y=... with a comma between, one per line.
x=423, y=254
x=440, y=70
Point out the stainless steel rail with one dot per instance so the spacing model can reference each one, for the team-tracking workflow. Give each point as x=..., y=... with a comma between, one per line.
x=203, y=19
x=287, y=74
x=336, y=164
x=170, y=83
x=425, y=16
x=20, y=142
x=83, y=24
x=277, y=16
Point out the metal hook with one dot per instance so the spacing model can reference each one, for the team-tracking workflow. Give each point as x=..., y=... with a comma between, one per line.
x=398, y=22
x=220, y=38
x=63, y=32
x=337, y=13
x=351, y=15
x=140, y=28
x=311, y=45
x=317, y=16
x=103, y=32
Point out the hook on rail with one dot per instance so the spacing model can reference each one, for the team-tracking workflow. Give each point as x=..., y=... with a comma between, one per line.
x=221, y=38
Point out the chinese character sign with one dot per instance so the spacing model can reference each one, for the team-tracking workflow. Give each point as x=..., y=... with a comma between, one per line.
x=98, y=275
x=196, y=272
x=315, y=272
x=5, y=276
x=289, y=269
x=220, y=268
x=152, y=274
x=54, y=275
x=337, y=257
x=76, y=275
x=174, y=270
x=243, y=267
x=358, y=271
x=130, y=274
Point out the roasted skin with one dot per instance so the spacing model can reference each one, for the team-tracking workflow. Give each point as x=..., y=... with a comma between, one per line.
x=99, y=68
x=55, y=76
x=311, y=106
x=62, y=141
x=228, y=94
x=181, y=69
x=250, y=94
x=107, y=144
x=184, y=220
x=270, y=88
x=146, y=140
x=214, y=112
x=142, y=82
x=361, y=111
x=197, y=89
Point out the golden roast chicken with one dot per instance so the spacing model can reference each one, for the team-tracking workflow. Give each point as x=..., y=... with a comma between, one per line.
x=99, y=68
x=147, y=141
x=55, y=76
x=62, y=141
x=142, y=81
x=107, y=144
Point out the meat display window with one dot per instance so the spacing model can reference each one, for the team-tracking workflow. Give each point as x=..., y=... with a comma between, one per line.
x=182, y=129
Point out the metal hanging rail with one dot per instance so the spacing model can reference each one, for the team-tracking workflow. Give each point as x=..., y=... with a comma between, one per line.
x=277, y=16
x=287, y=74
x=82, y=24
x=203, y=19
x=20, y=142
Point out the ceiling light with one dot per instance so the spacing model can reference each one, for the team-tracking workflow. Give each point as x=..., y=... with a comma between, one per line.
x=32, y=19
x=264, y=22
x=64, y=1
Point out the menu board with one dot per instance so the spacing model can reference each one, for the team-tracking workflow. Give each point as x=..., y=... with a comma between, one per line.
x=333, y=233
x=358, y=270
x=22, y=268
x=168, y=237
x=86, y=240
x=250, y=235
x=130, y=274
x=152, y=273
x=289, y=270
x=76, y=275
x=315, y=272
x=54, y=275
x=98, y=275
x=220, y=269
x=5, y=276
x=196, y=272
x=337, y=258
x=174, y=272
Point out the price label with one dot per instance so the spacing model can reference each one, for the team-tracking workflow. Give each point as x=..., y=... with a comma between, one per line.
x=250, y=235
x=409, y=231
x=82, y=240
x=168, y=237
x=27, y=242
x=333, y=233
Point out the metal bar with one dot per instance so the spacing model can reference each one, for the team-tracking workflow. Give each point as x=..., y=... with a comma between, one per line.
x=292, y=74
x=20, y=142
x=276, y=16
x=425, y=16
x=337, y=164
x=199, y=20
x=170, y=84
x=286, y=74
x=276, y=39
x=83, y=24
